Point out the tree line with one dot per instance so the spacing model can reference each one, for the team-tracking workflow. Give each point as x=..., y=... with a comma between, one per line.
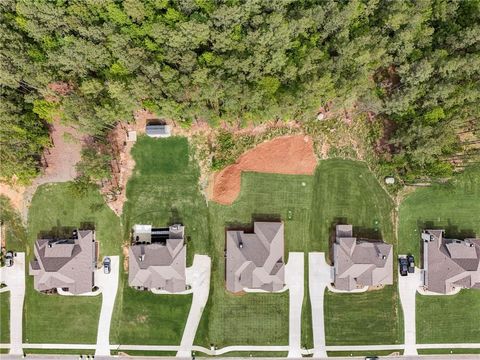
x=414, y=63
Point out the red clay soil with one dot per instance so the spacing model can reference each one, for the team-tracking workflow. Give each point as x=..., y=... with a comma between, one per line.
x=283, y=155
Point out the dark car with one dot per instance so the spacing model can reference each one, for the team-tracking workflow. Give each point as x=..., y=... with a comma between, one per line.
x=411, y=263
x=403, y=266
x=9, y=258
x=371, y=357
x=106, y=265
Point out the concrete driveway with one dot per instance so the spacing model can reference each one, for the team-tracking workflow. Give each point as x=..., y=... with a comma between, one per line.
x=198, y=277
x=319, y=277
x=108, y=284
x=14, y=278
x=407, y=288
x=294, y=277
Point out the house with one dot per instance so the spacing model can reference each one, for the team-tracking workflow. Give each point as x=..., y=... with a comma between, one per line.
x=450, y=264
x=65, y=263
x=359, y=263
x=157, y=130
x=255, y=260
x=157, y=258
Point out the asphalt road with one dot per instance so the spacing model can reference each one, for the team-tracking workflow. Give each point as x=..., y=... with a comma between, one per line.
x=70, y=357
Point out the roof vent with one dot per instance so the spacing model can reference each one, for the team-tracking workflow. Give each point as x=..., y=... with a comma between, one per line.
x=384, y=257
x=240, y=244
x=141, y=257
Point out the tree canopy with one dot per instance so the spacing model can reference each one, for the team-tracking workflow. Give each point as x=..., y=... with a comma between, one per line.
x=416, y=63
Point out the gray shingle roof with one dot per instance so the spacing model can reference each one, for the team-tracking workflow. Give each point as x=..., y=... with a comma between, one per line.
x=158, y=265
x=68, y=263
x=450, y=263
x=360, y=263
x=255, y=261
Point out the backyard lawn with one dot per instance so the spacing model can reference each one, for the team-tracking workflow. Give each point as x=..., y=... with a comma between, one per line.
x=346, y=191
x=5, y=317
x=449, y=319
x=61, y=319
x=163, y=190
x=455, y=207
x=255, y=319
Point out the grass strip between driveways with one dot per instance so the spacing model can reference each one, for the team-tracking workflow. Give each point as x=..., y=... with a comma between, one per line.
x=5, y=317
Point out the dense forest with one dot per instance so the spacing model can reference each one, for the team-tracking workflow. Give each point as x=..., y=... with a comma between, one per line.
x=415, y=64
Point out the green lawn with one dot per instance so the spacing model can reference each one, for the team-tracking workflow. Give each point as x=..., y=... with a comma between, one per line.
x=144, y=318
x=5, y=317
x=163, y=190
x=60, y=319
x=455, y=207
x=55, y=206
x=346, y=191
x=372, y=317
x=449, y=319
x=15, y=234
x=256, y=319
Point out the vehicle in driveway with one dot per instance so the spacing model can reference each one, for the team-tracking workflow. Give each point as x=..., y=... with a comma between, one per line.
x=403, y=266
x=106, y=265
x=371, y=357
x=9, y=258
x=411, y=263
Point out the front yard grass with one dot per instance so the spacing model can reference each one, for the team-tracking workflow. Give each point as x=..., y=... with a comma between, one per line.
x=365, y=318
x=143, y=318
x=62, y=319
x=347, y=192
x=254, y=319
x=449, y=319
x=5, y=317
x=163, y=190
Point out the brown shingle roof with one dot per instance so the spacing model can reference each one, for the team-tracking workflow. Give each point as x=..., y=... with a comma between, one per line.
x=159, y=265
x=359, y=263
x=450, y=263
x=255, y=261
x=67, y=263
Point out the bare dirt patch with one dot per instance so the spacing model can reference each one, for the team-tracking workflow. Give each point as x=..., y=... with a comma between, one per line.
x=58, y=161
x=283, y=155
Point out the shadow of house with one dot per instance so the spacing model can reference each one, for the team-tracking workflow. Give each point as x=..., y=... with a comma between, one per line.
x=451, y=231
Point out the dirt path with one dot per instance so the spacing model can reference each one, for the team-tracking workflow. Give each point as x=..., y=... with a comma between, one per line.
x=60, y=159
x=283, y=155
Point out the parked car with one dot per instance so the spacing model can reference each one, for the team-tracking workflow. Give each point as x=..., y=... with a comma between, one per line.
x=411, y=263
x=106, y=265
x=9, y=258
x=371, y=357
x=403, y=266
